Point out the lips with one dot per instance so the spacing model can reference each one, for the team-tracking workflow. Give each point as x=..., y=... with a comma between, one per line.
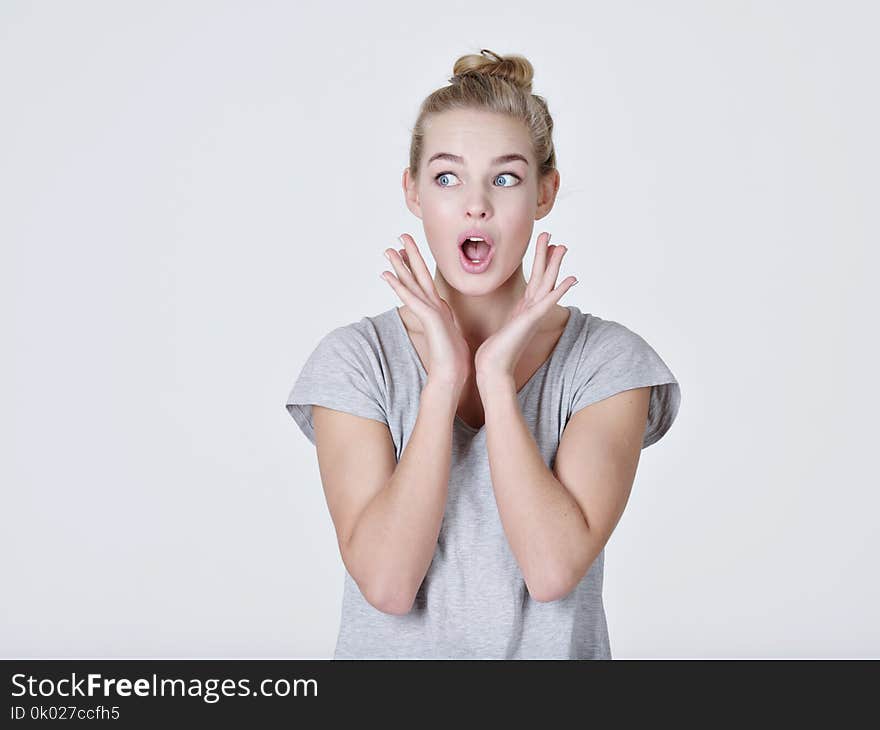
x=475, y=252
x=479, y=233
x=470, y=267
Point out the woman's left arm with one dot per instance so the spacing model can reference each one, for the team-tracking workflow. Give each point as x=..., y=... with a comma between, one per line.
x=557, y=522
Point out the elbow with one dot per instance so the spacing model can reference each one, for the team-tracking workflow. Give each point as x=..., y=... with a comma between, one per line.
x=547, y=591
x=394, y=601
x=548, y=596
x=394, y=604
x=558, y=584
x=395, y=609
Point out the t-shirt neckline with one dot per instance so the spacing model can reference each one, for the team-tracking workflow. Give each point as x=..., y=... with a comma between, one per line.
x=408, y=343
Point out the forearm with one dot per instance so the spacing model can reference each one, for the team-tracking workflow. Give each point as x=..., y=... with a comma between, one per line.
x=542, y=521
x=396, y=535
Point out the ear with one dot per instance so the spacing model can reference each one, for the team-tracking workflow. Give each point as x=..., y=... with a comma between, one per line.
x=548, y=186
x=411, y=194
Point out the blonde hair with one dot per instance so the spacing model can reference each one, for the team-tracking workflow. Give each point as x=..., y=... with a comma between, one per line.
x=493, y=83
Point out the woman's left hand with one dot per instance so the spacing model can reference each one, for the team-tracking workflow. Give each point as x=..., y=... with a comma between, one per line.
x=498, y=355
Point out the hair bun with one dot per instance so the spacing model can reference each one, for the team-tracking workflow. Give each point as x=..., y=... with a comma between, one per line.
x=515, y=69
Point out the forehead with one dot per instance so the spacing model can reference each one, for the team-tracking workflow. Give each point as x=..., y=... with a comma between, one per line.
x=478, y=136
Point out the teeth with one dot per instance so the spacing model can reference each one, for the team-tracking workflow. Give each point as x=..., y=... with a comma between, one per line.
x=474, y=238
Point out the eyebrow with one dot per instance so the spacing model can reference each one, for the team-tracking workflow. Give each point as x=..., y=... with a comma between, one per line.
x=460, y=160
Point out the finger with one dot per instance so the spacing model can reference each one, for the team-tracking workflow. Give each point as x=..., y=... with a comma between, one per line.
x=404, y=274
x=539, y=286
x=405, y=257
x=554, y=296
x=552, y=272
x=540, y=263
x=416, y=304
x=419, y=269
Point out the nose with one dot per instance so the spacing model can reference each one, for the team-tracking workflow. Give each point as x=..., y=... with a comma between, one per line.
x=478, y=206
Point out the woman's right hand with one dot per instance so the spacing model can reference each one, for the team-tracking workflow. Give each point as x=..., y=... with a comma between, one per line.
x=450, y=356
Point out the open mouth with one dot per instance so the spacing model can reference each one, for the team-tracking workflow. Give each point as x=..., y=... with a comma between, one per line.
x=475, y=256
x=476, y=250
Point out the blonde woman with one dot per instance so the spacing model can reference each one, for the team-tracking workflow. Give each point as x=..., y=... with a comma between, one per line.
x=478, y=444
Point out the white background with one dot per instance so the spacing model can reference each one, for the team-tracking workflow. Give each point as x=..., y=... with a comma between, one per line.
x=193, y=193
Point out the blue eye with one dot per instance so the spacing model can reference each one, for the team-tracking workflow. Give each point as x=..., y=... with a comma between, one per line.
x=443, y=174
x=508, y=174
x=503, y=174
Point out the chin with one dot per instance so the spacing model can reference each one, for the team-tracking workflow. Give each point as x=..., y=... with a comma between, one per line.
x=477, y=284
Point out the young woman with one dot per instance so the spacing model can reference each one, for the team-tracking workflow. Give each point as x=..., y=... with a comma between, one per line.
x=477, y=445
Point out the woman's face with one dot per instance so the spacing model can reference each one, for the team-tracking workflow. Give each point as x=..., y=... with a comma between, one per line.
x=478, y=191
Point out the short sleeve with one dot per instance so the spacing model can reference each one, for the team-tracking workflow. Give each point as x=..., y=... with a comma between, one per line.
x=616, y=359
x=343, y=373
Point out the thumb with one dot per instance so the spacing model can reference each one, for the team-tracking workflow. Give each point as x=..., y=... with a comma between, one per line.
x=449, y=310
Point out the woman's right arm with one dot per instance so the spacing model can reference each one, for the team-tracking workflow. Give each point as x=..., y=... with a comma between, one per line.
x=388, y=514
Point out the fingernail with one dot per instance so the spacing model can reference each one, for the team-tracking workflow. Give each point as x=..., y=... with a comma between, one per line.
x=400, y=238
x=575, y=282
x=549, y=236
x=387, y=256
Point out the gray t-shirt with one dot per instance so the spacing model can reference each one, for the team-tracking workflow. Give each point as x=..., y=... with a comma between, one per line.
x=473, y=602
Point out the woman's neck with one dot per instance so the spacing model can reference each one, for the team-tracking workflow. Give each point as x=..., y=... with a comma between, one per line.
x=481, y=316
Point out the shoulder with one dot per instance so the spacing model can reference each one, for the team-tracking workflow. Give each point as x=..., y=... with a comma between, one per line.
x=615, y=358
x=365, y=334
x=607, y=332
x=344, y=372
x=607, y=339
x=357, y=349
